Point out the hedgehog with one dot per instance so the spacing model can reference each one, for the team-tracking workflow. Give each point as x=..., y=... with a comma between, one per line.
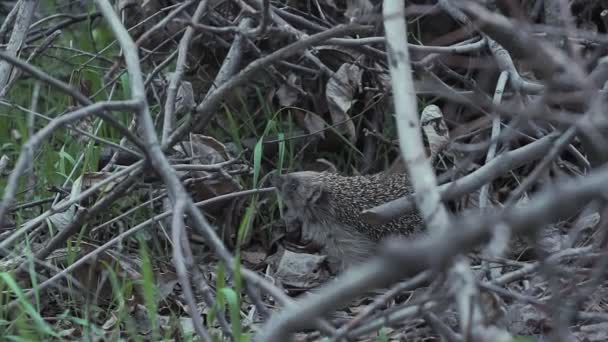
x=328, y=206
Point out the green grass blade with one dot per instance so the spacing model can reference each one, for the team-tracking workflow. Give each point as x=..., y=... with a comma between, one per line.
x=41, y=325
x=232, y=300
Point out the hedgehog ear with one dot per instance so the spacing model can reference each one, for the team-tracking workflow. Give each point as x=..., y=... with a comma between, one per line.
x=315, y=193
x=277, y=180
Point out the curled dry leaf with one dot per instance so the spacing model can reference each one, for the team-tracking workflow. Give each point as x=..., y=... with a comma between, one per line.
x=184, y=101
x=4, y=161
x=204, y=185
x=340, y=91
x=313, y=123
x=435, y=129
x=185, y=98
x=63, y=219
x=206, y=150
x=110, y=322
x=254, y=257
x=166, y=284
x=358, y=8
x=289, y=92
x=91, y=179
x=299, y=270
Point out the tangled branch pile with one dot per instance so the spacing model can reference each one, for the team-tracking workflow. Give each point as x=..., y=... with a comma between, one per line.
x=137, y=138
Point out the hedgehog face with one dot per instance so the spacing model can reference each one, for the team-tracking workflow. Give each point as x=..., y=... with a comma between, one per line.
x=300, y=190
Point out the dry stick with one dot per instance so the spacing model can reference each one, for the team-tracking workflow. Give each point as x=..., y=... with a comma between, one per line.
x=228, y=68
x=17, y=73
x=578, y=316
x=9, y=19
x=485, y=189
x=177, y=191
x=441, y=328
x=505, y=63
x=74, y=128
x=301, y=21
x=128, y=212
x=282, y=324
x=458, y=48
x=400, y=314
x=283, y=24
x=82, y=216
x=562, y=142
x=547, y=60
x=531, y=267
x=265, y=13
x=207, y=108
x=27, y=151
x=380, y=300
x=208, y=28
x=198, y=278
x=133, y=123
x=502, y=57
x=27, y=205
x=598, y=271
x=156, y=157
x=159, y=68
x=85, y=258
x=500, y=88
x=67, y=89
x=419, y=168
x=595, y=110
x=72, y=19
x=180, y=66
x=402, y=258
x=206, y=167
x=20, y=27
x=30, y=175
x=498, y=166
x=232, y=60
x=61, y=207
x=161, y=24
x=406, y=108
x=177, y=231
x=297, y=34
x=549, y=269
x=111, y=76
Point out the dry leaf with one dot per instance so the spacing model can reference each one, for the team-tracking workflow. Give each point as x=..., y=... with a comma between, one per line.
x=91, y=179
x=166, y=283
x=435, y=129
x=4, y=161
x=110, y=323
x=313, y=123
x=289, y=92
x=358, y=8
x=184, y=100
x=254, y=257
x=340, y=91
x=299, y=270
x=63, y=219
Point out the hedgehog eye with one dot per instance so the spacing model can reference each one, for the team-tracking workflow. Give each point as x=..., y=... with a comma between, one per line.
x=292, y=186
